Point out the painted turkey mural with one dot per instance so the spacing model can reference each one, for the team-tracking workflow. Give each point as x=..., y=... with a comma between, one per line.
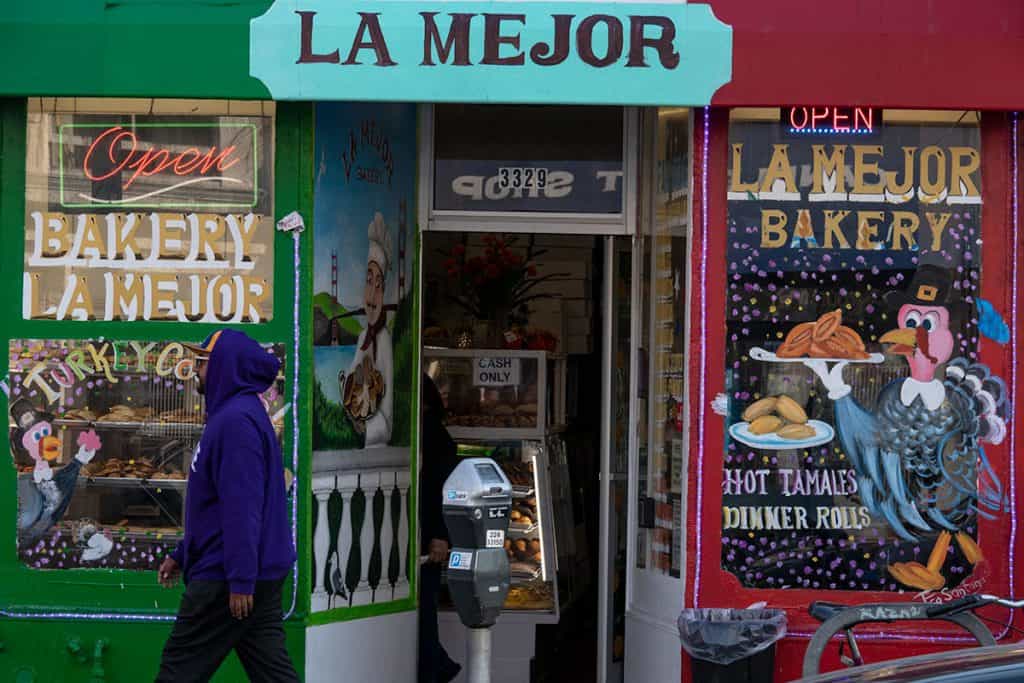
x=919, y=455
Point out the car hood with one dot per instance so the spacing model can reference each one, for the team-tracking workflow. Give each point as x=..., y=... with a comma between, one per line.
x=942, y=667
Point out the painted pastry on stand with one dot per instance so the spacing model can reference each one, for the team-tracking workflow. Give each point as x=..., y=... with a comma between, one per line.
x=919, y=455
x=44, y=496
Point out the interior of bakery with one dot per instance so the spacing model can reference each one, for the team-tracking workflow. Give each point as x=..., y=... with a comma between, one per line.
x=553, y=266
x=512, y=337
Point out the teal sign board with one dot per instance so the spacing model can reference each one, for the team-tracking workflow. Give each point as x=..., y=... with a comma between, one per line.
x=508, y=52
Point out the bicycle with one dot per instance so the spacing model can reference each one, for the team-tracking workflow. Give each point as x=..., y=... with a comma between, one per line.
x=836, y=618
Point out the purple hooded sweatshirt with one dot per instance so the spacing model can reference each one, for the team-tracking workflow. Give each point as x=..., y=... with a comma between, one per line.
x=236, y=517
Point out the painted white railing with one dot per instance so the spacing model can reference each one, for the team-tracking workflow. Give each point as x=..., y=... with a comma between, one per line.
x=361, y=540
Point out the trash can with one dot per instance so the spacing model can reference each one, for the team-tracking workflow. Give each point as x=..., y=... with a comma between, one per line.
x=732, y=645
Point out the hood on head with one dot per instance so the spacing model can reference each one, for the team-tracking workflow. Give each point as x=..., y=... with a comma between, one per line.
x=238, y=365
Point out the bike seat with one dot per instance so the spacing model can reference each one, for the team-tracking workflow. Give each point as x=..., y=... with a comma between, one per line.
x=823, y=611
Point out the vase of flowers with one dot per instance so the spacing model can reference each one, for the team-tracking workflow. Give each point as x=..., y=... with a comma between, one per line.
x=496, y=285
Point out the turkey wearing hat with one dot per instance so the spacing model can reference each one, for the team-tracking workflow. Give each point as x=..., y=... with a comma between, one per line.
x=374, y=348
x=44, y=497
x=919, y=455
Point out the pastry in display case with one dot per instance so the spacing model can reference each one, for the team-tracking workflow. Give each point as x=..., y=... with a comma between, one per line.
x=530, y=540
x=102, y=435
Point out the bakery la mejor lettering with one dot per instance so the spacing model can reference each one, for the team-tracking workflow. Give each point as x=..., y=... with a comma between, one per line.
x=597, y=40
x=827, y=203
x=133, y=266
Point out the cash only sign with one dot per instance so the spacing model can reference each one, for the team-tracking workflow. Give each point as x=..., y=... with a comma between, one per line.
x=509, y=52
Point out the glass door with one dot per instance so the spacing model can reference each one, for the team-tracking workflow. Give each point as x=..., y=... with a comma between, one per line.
x=615, y=438
x=657, y=482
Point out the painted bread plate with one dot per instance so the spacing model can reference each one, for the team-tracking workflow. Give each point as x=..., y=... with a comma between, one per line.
x=757, y=353
x=823, y=433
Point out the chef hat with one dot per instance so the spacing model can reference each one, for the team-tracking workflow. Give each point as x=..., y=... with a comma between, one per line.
x=380, y=243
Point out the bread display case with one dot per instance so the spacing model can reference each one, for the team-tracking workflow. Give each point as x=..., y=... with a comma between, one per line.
x=500, y=394
x=509, y=406
x=103, y=434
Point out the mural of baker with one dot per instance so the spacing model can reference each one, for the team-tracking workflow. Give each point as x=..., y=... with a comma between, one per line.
x=366, y=389
x=919, y=455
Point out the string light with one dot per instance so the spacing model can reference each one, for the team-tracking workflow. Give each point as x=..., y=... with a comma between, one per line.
x=296, y=329
x=1014, y=199
x=702, y=392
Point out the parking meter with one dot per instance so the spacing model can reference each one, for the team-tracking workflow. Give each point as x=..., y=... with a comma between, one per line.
x=476, y=505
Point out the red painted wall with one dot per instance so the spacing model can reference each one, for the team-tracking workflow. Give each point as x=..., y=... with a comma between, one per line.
x=940, y=54
x=718, y=588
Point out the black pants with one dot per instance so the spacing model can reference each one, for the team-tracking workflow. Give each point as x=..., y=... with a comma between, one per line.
x=434, y=663
x=205, y=633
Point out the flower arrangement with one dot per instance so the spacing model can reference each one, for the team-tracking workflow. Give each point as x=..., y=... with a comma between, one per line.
x=498, y=284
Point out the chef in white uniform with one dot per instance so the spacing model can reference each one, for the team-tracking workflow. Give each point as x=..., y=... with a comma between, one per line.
x=375, y=340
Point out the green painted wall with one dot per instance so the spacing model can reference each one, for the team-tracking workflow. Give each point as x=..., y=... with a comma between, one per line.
x=38, y=652
x=124, y=48
x=135, y=648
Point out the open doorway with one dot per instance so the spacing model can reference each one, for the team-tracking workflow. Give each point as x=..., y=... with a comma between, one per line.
x=514, y=337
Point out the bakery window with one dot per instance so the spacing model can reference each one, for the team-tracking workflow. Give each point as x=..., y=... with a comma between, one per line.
x=102, y=434
x=149, y=210
x=853, y=267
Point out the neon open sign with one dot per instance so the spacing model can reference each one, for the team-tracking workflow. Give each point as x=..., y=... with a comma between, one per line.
x=121, y=167
x=832, y=120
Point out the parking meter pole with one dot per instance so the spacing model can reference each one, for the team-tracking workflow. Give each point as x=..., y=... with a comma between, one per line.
x=476, y=506
x=478, y=654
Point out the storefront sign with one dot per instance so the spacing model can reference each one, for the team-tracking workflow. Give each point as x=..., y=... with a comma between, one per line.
x=139, y=222
x=553, y=186
x=832, y=120
x=496, y=371
x=852, y=339
x=563, y=52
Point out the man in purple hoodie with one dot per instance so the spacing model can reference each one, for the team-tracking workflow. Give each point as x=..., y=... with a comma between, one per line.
x=237, y=548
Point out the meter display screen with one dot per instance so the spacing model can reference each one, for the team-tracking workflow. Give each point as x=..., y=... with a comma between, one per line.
x=489, y=474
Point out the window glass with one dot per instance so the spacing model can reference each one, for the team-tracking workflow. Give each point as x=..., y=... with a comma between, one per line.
x=528, y=158
x=664, y=244
x=149, y=210
x=103, y=434
x=853, y=270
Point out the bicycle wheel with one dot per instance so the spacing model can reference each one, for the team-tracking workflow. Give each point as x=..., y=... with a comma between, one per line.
x=849, y=618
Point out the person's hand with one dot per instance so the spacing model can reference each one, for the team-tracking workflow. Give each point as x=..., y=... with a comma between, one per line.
x=437, y=551
x=832, y=379
x=241, y=605
x=169, y=573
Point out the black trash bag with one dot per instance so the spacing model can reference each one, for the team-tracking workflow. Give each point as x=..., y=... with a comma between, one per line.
x=723, y=635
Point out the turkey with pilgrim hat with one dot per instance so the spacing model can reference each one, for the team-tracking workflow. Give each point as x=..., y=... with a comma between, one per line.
x=45, y=493
x=366, y=390
x=919, y=454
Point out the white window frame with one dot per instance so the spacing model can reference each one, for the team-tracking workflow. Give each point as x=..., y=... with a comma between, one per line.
x=622, y=223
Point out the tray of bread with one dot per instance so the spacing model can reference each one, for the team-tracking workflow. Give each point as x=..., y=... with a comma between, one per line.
x=824, y=339
x=533, y=594
x=127, y=416
x=131, y=468
x=364, y=388
x=500, y=416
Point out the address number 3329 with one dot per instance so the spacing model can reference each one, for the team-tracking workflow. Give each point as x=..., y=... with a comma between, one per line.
x=522, y=178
